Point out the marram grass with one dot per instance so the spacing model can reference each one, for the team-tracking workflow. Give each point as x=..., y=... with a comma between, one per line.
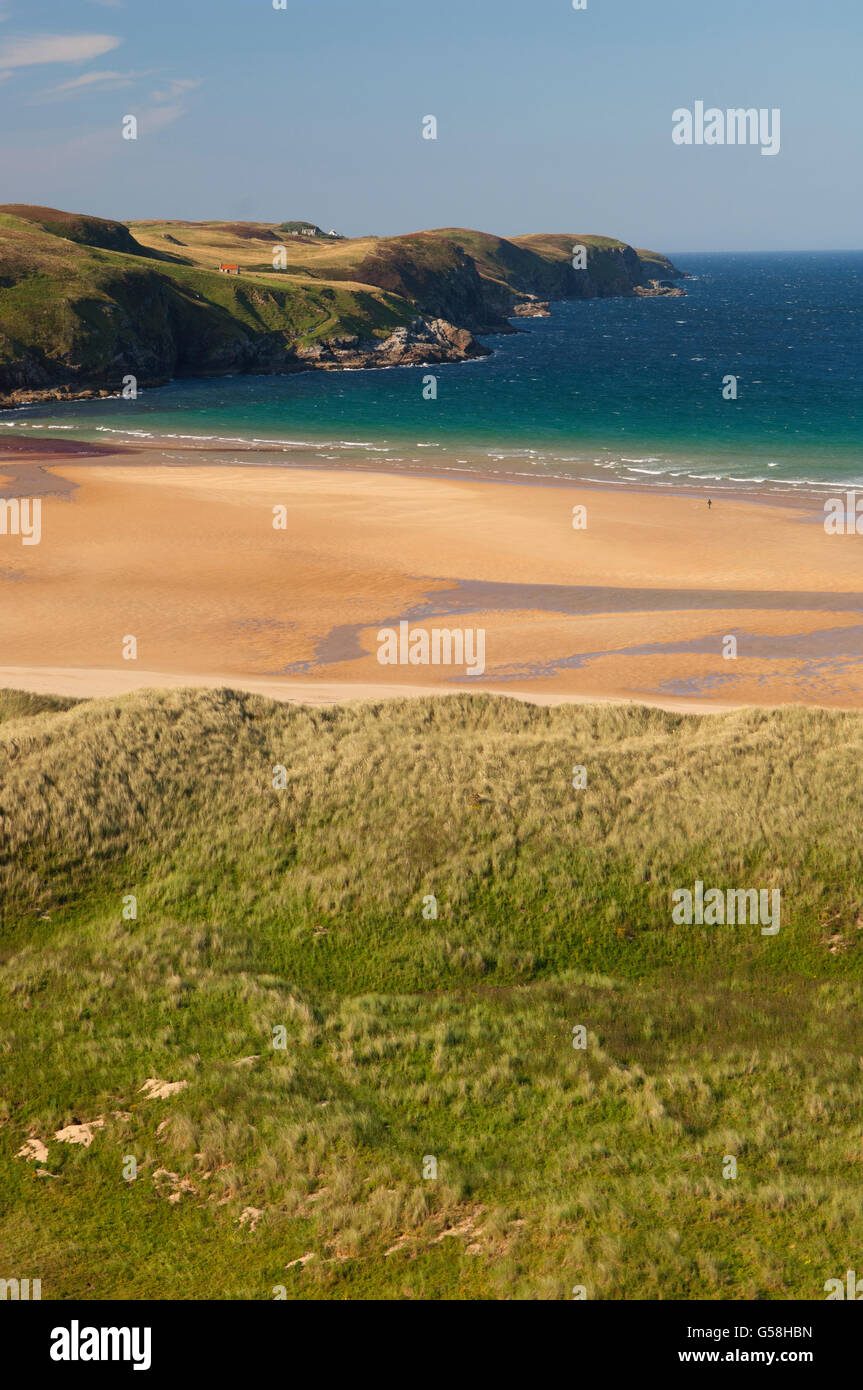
x=408, y=1037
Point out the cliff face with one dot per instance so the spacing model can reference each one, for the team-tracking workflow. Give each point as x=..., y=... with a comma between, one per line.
x=436, y=275
x=481, y=281
x=84, y=304
x=613, y=268
x=415, y=344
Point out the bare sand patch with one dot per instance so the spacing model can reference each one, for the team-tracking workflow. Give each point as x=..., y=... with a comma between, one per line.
x=636, y=606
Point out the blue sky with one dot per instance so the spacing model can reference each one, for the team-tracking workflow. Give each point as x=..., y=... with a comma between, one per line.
x=549, y=119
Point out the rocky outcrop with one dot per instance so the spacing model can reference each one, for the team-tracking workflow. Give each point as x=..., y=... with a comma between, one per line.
x=530, y=308
x=34, y=395
x=423, y=342
x=658, y=289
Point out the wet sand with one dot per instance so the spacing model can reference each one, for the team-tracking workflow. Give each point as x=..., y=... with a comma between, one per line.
x=639, y=605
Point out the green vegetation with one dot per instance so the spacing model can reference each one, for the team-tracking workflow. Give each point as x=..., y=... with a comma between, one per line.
x=300, y=227
x=86, y=301
x=541, y=265
x=17, y=704
x=81, y=229
x=81, y=314
x=613, y=266
x=410, y=1036
x=655, y=266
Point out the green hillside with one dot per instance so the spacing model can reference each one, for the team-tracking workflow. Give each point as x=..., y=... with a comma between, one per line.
x=79, y=314
x=85, y=301
x=84, y=230
x=613, y=266
x=542, y=265
x=407, y=1036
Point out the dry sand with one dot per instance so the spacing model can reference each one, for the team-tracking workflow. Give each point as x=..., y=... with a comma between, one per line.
x=636, y=606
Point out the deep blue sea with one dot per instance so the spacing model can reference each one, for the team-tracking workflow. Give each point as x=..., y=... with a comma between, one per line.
x=625, y=390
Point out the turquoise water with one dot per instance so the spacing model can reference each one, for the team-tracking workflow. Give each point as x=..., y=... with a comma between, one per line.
x=623, y=390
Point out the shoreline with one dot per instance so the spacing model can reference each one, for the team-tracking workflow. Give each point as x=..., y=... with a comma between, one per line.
x=40, y=452
x=635, y=607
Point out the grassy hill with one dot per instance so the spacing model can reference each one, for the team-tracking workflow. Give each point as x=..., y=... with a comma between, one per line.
x=76, y=314
x=84, y=230
x=541, y=265
x=85, y=301
x=474, y=276
x=409, y=1036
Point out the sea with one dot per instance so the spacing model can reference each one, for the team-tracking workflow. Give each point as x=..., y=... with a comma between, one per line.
x=620, y=391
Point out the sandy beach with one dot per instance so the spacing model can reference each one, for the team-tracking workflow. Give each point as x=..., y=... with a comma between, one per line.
x=638, y=604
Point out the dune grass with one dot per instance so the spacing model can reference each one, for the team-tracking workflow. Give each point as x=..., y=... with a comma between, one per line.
x=283, y=961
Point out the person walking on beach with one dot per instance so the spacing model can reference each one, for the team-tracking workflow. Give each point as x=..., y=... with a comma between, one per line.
x=709, y=504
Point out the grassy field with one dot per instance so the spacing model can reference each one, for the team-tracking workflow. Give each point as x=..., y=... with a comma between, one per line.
x=517, y=261
x=332, y=1036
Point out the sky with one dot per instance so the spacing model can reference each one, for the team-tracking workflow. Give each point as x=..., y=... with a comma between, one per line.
x=549, y=119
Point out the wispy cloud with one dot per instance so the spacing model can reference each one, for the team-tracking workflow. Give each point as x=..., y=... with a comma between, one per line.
x=158, y=117
x=54, y=48
x=106, y=143
x=176, y=87
x=102, y=81
x=53, y=160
